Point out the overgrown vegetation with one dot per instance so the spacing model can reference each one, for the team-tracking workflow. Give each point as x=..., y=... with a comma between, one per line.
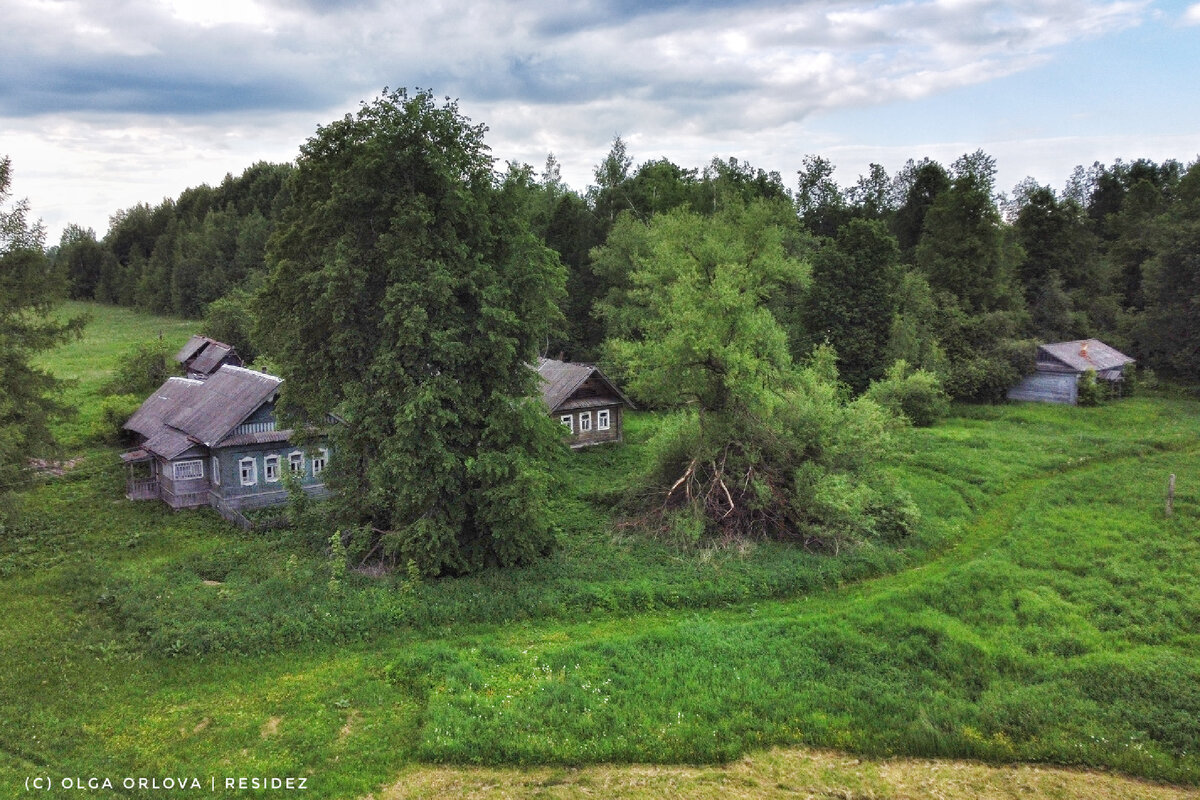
x=1043, y=609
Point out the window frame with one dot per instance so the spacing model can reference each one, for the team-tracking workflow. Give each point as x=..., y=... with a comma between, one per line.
x=319, y=462
x=191, y=462
x=253, y=475
x=603, y=419
x=568, y=422
x=216, y=470
x=296, y=469
x=585, y=422
x=269, y=462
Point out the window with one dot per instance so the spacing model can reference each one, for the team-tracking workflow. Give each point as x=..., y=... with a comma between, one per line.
x=249, y=470
x=568, y=422
x=296, y=462
x=216, y=470
x=318, y=462
x=585, y=421
x=184, y=470
x=602, y=419
x=271, y=468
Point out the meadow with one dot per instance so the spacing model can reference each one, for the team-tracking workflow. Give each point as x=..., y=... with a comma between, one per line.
x=1045, y=611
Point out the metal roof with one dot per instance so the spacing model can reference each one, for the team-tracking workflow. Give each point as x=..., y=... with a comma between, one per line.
x=227, y=398
x=194, y=345
x=150, y=417
x=1085, y=354
x=560, y=379
x=211, y=358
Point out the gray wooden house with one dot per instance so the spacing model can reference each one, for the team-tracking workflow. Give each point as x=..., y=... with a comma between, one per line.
x=202, y=356
x=214, y=442
x=1061, y=364
x=583, y=400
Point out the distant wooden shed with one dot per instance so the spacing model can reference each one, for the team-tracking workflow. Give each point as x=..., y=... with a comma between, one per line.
x=201, y=357
x=583, y=400
x=1060, y=365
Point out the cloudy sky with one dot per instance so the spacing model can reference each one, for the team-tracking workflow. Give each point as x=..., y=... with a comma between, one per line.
x=104, y=105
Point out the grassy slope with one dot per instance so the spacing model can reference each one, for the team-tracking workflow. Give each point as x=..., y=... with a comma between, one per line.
x=1046, y=612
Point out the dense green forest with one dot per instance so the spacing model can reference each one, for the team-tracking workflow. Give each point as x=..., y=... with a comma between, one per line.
x=934, y=264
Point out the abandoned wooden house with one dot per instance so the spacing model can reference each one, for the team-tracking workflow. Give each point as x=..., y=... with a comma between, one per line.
x=1060, y=366
x=584, y=400
x=202, y=356
x=214, y=443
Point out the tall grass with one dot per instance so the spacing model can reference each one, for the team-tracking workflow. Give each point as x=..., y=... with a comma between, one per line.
x=1045, y=610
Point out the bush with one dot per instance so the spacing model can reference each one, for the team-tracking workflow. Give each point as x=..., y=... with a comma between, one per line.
x=115, y=410
x=141, y=370
x=1091, y=391
x=918, y=395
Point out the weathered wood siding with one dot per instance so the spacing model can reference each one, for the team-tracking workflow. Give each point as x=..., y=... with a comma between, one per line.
x=1047, y=387
x=595, y=435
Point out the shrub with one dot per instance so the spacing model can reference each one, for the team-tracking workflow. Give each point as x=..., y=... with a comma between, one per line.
x=115, y=410
x=1091, y=391
x=916, y=394
x=140, y=370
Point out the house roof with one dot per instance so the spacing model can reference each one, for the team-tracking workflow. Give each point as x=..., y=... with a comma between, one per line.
x=183, y=412
x=194, y=345
x=148, y=420
x=227, y=398
x=211, y=357
x=560, y=379
x=1084, y=354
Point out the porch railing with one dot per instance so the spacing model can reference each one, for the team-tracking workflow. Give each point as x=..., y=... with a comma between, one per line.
x=143, y=489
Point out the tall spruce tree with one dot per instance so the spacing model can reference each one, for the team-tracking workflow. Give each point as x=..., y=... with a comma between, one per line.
x=407, y=294
x=29, y=397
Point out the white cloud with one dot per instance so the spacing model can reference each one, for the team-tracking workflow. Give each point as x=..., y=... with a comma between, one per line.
x=1192, y=15
x=102, y=106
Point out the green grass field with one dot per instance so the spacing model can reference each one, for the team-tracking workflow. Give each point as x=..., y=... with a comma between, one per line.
x=1046, y=611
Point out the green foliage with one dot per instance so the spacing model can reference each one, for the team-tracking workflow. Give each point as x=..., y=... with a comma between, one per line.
x=229, y=319
x=1091, y=392
x=415, y=298
x=853, y=300
x=29, y=397
x=916, y=394
x=141, y=369
x=115, y=411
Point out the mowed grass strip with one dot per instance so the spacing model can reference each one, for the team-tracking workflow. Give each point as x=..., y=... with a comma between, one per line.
x=781, y=773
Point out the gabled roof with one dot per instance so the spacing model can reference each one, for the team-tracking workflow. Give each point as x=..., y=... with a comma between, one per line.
x=149, y=419
x=1085, y=354
x=560, y=380
x=211, y=357
x=184, y=412
x=225, y=401
x=194, y=345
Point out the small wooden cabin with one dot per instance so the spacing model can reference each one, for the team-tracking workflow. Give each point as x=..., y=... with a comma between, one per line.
x=1061, y=364
x=583, y=400
x=201, y=357
x=215, y=443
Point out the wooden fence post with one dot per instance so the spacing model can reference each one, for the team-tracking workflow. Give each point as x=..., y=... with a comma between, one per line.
x=1171, y=495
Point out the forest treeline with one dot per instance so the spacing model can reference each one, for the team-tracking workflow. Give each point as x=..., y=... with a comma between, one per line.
x=932, y=265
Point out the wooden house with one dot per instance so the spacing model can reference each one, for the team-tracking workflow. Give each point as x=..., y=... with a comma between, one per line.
x=202, y=356
x=1060, y=365
x=583, y=400
x=215, y=443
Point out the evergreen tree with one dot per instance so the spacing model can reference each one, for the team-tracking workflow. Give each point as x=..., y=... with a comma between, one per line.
x=854, y=286
x=29, y=397
x=407, y=294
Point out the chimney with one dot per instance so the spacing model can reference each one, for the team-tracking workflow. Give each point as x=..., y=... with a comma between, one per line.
x=1083, y=349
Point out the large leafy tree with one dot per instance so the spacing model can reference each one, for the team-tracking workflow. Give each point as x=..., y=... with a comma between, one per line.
x=407, y=294
x=760, y=447
x=28, y=291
